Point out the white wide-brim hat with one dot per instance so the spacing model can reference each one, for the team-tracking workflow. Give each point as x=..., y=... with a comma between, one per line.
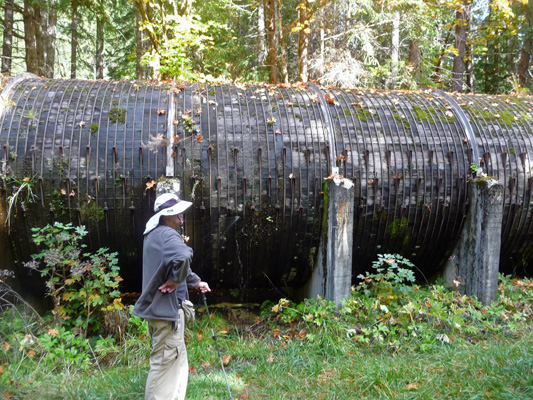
x=165, y=205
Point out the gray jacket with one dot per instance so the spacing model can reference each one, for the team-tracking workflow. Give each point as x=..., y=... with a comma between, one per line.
x=165, y=256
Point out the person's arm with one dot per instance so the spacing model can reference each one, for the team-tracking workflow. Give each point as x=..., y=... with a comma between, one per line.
x=194, y=282
x=179, y=256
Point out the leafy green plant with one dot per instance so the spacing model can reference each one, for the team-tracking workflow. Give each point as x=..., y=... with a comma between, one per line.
x=387, y=309
x=390, y=269
x=136, y=325
x=61, y=349
x=21, y=192
x=189, y=124
x=82, y=286
x=30, y=114
x=95, y=289
x=318, y=311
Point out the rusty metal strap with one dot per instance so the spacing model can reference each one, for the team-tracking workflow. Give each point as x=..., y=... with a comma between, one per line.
x=329, y=126
x=464, y=122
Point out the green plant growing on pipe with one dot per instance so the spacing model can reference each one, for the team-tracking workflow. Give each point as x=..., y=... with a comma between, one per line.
x=22, y=192
x=117, y=115
x=94, y=128
x=91, y=212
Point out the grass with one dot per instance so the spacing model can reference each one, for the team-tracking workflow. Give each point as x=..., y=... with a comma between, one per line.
x=306, y=351
x=330, y=368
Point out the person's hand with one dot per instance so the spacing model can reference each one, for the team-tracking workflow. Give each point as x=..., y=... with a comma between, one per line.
x=169, y=286
x=203, y=287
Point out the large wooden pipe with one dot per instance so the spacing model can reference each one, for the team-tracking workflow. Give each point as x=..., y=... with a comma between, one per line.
x=253, y=159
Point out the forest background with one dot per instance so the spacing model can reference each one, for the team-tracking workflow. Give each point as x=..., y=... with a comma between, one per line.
x=480, y=46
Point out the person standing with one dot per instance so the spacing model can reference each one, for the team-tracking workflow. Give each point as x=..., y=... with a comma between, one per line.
x=167, y=276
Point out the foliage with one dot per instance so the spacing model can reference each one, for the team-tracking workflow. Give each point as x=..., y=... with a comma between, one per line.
x=21, y=194
x=386, y=309
x=318, y=311
x=117, y=115
x=53, y=350
x=390, y=269
x=91, y=212
x=350, y=41
x=120, y=31
x=233, y=55
x=94, y=128
x=189, y=36
x=62, y=349
x=82, y=285
x=396, y=315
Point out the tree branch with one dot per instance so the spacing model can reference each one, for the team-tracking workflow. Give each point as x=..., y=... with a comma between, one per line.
x=16, y=8
x=144, y=15
x=17, y=35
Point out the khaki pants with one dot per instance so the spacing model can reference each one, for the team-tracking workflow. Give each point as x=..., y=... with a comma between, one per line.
x=169, y=368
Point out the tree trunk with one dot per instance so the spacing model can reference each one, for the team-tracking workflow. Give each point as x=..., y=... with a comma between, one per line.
x=261, y=33
x=39, y=43
x=523, y=65
x=74, y=40
x=49, y=38
x=283, y=52
x=33, y=38
x=395, y=49
x=415, y=57
x=469, y=59
x=527, y=47
x=460, y=44
x=139, y=48
x=270, y=8
x=100, y=18
x=303, y=42
x=7, y=44
x=469, y=64
x=322, y=49
x=494, y=74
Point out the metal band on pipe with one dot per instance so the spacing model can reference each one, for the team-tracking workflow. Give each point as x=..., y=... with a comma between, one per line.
x=329, y=126
x=464, y=122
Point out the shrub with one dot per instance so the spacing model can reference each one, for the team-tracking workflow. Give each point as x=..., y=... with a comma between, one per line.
x=82, y=285
x=388, y=309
